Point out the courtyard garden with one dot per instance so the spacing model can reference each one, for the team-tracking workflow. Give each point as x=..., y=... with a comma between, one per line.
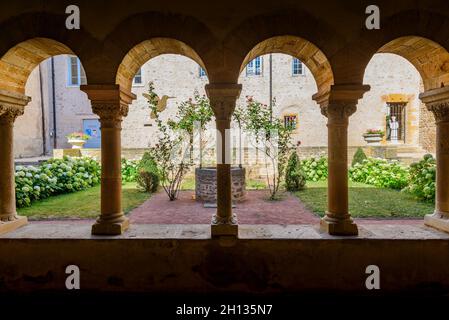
x=160, y=187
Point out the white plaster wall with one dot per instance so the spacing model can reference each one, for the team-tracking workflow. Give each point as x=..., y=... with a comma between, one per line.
x=28, y=127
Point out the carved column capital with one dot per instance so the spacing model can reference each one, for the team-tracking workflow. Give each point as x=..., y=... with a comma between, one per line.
x=9, y=113
x=109, y=102
x=12, y=105
x=437, y=101
x=110, y=111
x=223, y=98
x=338, y=112
x=440, y=111
x=340, y=101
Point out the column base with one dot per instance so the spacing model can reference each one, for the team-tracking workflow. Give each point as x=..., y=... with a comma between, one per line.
x=220, y=228
x=337, y=227
x=8, y=226
x=438, y=221
x=105, y=228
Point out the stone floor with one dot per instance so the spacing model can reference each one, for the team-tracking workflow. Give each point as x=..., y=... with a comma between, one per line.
x=70, y=230
x=254, y=210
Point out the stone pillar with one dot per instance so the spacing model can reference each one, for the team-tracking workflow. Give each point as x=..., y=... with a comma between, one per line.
x=111, y=105
x=437, y=101
x=12, y=105
x=338, y=105
x=223, y=98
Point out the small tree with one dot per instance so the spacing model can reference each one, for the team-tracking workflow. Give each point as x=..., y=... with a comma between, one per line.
x=171, y=153
x=295, y=178
x=359, y=156
x=271, y=137
x=194, y=114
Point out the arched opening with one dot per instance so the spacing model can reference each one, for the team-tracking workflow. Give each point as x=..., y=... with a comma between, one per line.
x=395, y=130
x=175, y=75
x=147, y=50
x=305, y=51
x=48, y=184
x=280, y=75
x=17, y=64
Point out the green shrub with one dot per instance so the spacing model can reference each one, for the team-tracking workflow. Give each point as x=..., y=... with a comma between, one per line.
x=148, y=177
x=55, y=176
x=315, y=169
x=295, y=178
x=422, y=179
x=129, y=170
x=359, y=156
x=380, y=173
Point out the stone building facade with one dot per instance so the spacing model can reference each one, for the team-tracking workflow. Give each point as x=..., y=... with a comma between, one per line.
x=59, y=109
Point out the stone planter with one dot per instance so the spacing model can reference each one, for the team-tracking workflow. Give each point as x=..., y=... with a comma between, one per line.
x=206, y=184
x=77, y=143
x=373, y=139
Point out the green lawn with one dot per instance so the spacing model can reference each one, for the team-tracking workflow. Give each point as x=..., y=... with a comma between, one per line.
x=366, y=201
x=81, y=205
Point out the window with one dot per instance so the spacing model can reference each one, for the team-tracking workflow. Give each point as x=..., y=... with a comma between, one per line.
x=396, y=121
x=202, y=72
x=254, y=67
x=290, y=121
x=76, y=74
x=137, y=80
x=297, y=67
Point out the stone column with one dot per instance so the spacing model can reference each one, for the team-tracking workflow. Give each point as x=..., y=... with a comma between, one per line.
x=223, y=98
x=338, y=105
x=111, y=105
x=437, y=101
x=12, y=105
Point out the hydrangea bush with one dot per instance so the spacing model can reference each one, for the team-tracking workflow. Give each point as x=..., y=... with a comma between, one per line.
x=380, y=173
x=129, y=170
x=55, y=176
x=422, y=179
x=315, y=169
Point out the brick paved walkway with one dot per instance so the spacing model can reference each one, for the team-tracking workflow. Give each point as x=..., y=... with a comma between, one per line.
x=254, y=210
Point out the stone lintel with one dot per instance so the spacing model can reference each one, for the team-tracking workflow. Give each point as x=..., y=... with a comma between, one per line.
x=108, y=94
x=223, y=90
x=341, y=93
x=13, y=98
x=435, y=96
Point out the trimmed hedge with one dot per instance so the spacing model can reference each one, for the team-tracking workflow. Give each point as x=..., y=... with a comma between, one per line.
x=295, y=178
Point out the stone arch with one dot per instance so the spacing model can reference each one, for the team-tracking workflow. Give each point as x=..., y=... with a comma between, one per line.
x=18, y=62
x=421, y=37
x=299, y=48
x=147, y=50
x=428, y=57
x=153, y=33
